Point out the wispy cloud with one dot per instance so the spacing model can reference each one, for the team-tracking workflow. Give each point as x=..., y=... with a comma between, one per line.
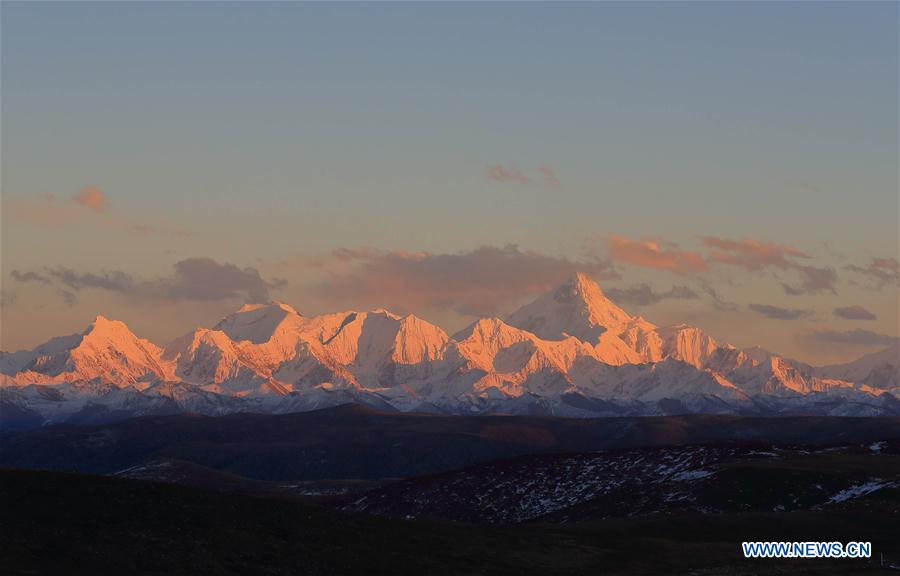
x=512, y=174
x=812, y=280
x=644, y=295
x=752, y=254
x=115, y=281
x=779, y=313
x=655, y=253
x=546, y=175
x=66, y=296
x=880, y=272
x=89, y=204
x=29, y=277
x=858, y=337
x=854, y=313
x=719, y=302
x=549, y=175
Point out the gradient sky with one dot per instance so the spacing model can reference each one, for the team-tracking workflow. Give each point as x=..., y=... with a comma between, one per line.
x=732, y=166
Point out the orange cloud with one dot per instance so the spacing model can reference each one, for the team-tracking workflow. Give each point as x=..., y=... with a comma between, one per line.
x=752, y=254
x=549, y=174
x=93, y=198
x=655, y=253
x=500, y=174
x=50, y=210
x=755, y=255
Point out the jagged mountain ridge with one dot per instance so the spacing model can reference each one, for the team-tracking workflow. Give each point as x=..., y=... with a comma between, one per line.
x=572, y=352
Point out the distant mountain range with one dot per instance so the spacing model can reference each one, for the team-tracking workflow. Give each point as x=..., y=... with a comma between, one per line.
x=572, y=352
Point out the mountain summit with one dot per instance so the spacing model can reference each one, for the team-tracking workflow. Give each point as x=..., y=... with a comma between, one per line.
x=578, y=307
x=572, y=351
x=258, y=323
x=106, y=350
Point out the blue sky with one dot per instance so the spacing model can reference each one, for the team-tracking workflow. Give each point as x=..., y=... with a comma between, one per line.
x=275, y=133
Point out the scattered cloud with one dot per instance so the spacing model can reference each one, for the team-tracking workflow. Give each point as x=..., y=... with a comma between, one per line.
x=854, y=313
x=513, y=174
x=778, y=313
x=193, y=279
x=93, y=198
x=812, y=280
x=856, y=337
x=29, y=277
x=498, y=173
x=719, y=302
x=752, y=254
x=655, y=253
x=115, y=281
x=549, y=174
x=480, y=282
x=880, y=272
x=755, y=255
x=66, y=296
x=88, y=204
x=643, y=294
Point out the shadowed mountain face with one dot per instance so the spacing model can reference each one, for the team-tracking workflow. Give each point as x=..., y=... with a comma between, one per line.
x=571, y=352
x=355, y=442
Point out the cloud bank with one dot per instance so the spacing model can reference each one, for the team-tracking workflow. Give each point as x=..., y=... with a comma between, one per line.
x=654, y=253
x=480, y=282
x=193, y=279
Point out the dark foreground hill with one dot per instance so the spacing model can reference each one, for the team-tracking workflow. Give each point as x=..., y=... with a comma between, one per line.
x=569, y=488
x=353, y=442
x=61, y=523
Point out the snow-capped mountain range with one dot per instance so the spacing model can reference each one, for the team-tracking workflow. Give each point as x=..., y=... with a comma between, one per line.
x=571, y=352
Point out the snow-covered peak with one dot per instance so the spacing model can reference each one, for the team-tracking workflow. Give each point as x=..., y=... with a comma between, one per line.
x=418, y=341
x=273, y=304
x=492, y=330
x=879, y=369
x=687, y=344
x=371, y=338
x=106, y=351
x=578, y=307
x=103, y=327
x=258, y=323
